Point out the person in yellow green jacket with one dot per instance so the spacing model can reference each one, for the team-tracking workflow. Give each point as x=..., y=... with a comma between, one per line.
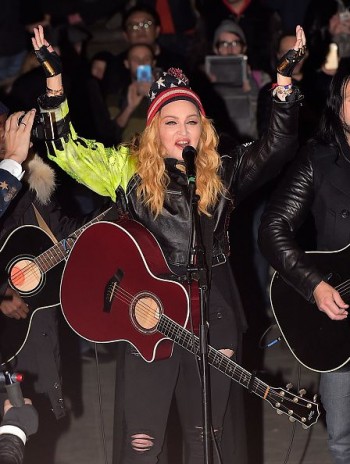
x=150, y=182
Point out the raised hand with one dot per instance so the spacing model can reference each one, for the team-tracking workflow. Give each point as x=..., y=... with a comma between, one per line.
x=17, y=135
x=287, y=63
x=45, y=53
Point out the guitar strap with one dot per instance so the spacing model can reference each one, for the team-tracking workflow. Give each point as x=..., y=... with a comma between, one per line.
x=43, y=225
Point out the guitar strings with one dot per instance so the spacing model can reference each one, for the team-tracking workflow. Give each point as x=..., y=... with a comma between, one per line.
x=32, y=272
x=344, y=287
x=44, y=262
x=261, y=387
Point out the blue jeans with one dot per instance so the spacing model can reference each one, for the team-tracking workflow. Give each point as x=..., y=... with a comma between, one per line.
x=335, y=397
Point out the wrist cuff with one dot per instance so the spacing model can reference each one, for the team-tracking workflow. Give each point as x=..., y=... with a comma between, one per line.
x=13, y=167
x=13, y=430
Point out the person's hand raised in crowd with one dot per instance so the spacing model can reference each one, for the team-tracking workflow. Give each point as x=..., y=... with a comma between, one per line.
x=136, y=92
x=17, y=133
x=49, y=60
x=287, y=63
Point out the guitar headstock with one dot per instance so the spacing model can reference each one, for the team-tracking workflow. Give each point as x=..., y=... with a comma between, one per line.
x=296, y=407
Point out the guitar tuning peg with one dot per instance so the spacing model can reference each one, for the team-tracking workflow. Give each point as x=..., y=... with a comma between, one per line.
x=289, y=386
x=315, y=398
x=302, y=392
x=304, y=426
x=279, y=412
x=291, y=419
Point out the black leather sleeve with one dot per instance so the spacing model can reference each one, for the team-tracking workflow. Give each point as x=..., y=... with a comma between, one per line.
x=11, y=449
x=262, y=160
x=285, y=213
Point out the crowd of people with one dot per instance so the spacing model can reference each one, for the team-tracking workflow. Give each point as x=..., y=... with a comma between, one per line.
x=82, y=133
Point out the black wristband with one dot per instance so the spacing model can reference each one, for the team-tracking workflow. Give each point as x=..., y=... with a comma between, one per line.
x=50, y=61
x=287, y=63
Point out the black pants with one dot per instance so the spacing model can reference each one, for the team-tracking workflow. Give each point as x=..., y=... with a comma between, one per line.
x=148, y=391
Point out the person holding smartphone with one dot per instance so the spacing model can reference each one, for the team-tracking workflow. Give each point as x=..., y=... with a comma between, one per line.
x=128, y=107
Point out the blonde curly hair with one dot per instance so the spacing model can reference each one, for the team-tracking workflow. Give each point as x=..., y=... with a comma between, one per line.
x=154, y=179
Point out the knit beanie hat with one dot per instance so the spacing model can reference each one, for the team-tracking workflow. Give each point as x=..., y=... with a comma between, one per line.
x=171, y=86
x=228, y=25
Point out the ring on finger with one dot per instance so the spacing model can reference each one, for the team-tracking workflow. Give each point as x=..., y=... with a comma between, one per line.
x=22, y=123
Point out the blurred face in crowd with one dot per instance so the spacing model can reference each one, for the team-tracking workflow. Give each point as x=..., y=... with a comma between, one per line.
x=138, y=55
x=141, y=28
x=179, y=125
x=229, y=44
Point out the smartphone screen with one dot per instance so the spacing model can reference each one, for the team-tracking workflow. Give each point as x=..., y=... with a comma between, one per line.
x=144, y=73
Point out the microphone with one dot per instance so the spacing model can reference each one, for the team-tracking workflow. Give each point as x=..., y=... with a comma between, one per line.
x=189, y=155
x=8, y=378
x=13, y=387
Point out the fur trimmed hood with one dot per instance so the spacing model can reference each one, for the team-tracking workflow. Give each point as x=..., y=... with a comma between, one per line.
x=41, y=178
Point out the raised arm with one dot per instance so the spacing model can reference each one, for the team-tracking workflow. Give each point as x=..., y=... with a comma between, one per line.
x=102, y=169
x=287, y=63
x=262, y=160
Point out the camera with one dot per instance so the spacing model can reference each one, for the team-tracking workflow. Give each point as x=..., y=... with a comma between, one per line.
x=47, y=127
x=39, y=128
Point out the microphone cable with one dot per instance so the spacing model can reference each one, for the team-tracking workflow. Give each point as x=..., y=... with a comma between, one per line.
x=99, y=396
x=274, y=341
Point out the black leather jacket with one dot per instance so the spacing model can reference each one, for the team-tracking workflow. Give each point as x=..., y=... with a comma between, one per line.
x=318, y=182
x=244, y=169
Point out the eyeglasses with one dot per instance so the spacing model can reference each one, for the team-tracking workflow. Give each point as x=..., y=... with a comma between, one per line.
x=132, y=27
x=226, y=44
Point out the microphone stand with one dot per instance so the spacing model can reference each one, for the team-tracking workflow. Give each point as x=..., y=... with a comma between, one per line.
x=198, y=270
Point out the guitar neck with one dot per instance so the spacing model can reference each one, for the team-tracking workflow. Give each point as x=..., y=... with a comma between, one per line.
x=227, y=366
x=58, y=252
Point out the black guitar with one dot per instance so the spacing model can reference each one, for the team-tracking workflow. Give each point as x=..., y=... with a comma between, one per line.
x=317, y=342
x=33, y=267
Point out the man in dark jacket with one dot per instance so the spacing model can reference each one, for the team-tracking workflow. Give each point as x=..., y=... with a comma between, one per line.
x=38, y=355
x=318, y=183
x=10, y=166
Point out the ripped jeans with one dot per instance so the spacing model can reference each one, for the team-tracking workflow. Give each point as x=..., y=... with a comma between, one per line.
x=149, y=389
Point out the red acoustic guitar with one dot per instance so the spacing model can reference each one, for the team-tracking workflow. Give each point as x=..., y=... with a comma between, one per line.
x=117, y=286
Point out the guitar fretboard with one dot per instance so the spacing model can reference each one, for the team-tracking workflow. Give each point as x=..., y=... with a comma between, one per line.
x=57, y=253
x=190, y=342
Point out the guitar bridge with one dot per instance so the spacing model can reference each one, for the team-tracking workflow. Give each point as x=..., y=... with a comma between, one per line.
x=111, y=290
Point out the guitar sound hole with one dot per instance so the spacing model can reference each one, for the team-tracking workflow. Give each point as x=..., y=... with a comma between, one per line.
x=25, y=276
x=145, y=312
